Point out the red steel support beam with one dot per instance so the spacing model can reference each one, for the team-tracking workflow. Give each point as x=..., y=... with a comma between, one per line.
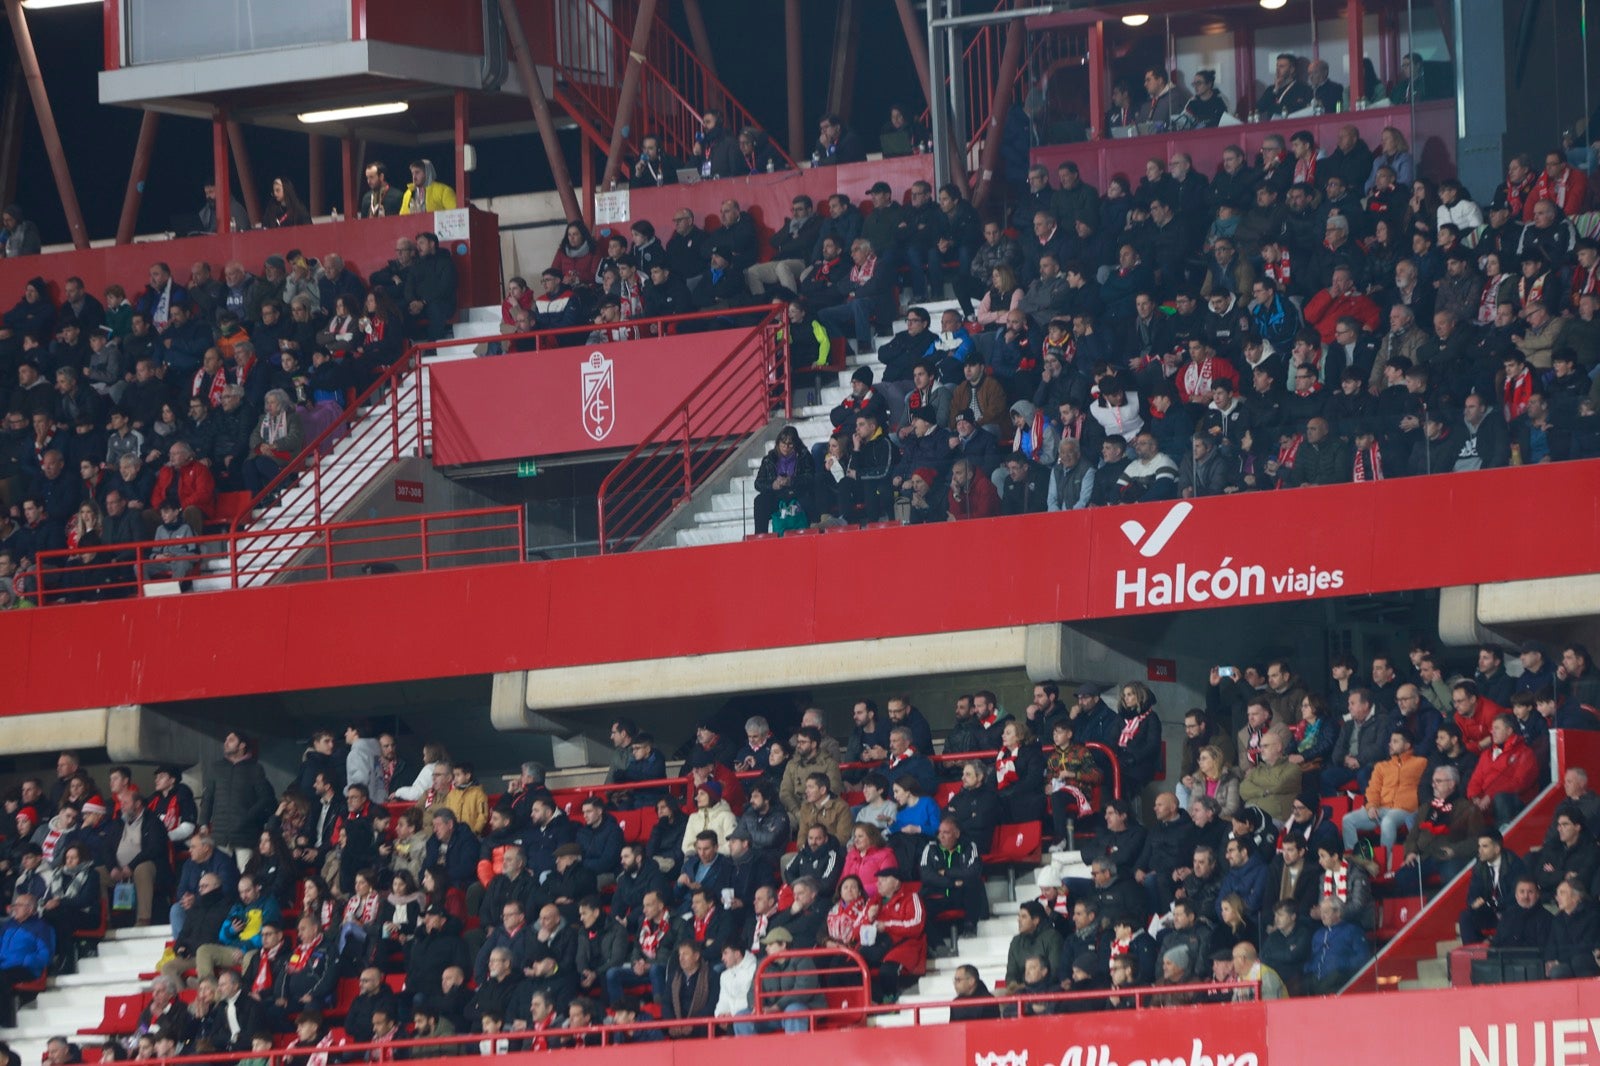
x=316, y=200
x=842, y=71
x=463, y=179
x=247, y=177
x=999, y=105
x=629, y=93
x=47, y=124
x=11, y=133
x=219, y=171
x=1358, y=73
x=541, y=108
x=349, y=176
x=793, y=55
x=917, y=41
x=1097, y=79
x=141, y=170
x=1244, y=70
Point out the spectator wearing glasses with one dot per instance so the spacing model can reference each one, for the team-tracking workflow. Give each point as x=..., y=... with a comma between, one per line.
x=791, y=250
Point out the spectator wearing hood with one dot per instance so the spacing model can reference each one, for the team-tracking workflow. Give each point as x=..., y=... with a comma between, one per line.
x=425, y=192
x=21, y=235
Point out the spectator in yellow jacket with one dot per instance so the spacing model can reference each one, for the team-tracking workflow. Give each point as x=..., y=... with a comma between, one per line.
x=426, y=192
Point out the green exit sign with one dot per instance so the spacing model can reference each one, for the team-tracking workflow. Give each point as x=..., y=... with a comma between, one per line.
x=527, y=468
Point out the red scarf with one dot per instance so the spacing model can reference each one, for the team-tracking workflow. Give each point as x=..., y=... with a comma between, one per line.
x=1438, y=820
x=1490, y=299
x=1130, y=729
x=1368, y=464
x=361, y=910
x=1279, y=271
x=1337, y=882
x=860, y=275
x=304, y=953
x=166, y=808
x=263, y=979
x=1517, y=195
x=650, y=937
x=846, y=919
x=1516, y=393
x=896, y=760
x=1306, y=170
x=1005, y=768
x=1584, y=281
x=702, y=923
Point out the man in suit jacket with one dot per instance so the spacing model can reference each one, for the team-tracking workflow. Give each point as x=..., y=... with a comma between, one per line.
x=1492, y=886
x=234, y=1020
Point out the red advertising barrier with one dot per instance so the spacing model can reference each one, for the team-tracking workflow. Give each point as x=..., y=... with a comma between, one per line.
x=590, y=398
x=366, y=245
x=1251, y=548
x=1433, y=146
x=766, y=197
x=1543, y=1024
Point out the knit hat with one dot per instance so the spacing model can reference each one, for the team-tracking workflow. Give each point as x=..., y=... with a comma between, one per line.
x=1178, y=956
x=863, y=374
x=712, y=788
x=927, y=414
x=926, y=473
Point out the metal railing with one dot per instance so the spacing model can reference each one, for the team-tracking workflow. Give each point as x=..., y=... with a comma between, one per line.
x=1149, y=997
x=675, y=88
x=682, y=453
x=347, y=549
x=408, y=418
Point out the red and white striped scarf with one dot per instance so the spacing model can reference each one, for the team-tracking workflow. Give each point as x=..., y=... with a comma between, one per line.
x=650, y=937
x=1279, y=270
x=1288, y=451
x=1130, y=729
x=1005, y=767
x=1306, y=170
x=860, y=275
x=361, y=909
x=1368, y=464
x=304, y=954
x=1337, y=882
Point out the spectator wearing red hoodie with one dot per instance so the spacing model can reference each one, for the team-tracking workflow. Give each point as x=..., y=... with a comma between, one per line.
x=1506, y=775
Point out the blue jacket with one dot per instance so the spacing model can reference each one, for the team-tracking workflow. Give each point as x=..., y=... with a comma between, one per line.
x=924, y=814
x=26, y=945
x=1249, y=881
x=1340, y=950
x=602, y=847
x=918, y=767
x=221, y=865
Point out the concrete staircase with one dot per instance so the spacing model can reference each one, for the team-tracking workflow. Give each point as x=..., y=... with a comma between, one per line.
x=1433, y=973
x=986, y=950
x=347, y=469
x=77, y=1001
x=725, y=517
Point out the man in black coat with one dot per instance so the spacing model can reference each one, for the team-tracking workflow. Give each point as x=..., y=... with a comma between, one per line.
x=431, y=287
x=1026, y=487
x=438, y=947
x=1491, y=888
x=374, y=995
x=234, y=1019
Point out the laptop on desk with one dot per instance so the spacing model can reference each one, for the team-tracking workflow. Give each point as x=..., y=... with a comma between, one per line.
x=689, y=176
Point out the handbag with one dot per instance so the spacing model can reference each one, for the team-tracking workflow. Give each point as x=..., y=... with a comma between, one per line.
x=123, y=896
x=790, y=516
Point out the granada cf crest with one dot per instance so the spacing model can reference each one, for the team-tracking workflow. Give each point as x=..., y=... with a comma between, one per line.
x=599, y=396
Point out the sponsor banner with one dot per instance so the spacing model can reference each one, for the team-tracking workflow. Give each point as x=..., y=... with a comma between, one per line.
x=1231, y=1034
x=563, y=400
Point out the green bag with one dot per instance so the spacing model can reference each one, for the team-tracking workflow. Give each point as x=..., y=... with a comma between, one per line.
x=790, y=515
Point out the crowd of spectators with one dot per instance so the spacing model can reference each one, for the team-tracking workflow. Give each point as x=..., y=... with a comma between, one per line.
x=125, y=421
x=455, y=910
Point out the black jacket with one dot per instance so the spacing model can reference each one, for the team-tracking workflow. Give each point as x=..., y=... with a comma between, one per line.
x=432, y=954
x=236, y=802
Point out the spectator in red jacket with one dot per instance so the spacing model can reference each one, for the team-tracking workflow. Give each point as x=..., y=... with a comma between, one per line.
x=190, y=483
x=1506, y=775
x=1340, y=298
x=1562, y=184
x=971, y=494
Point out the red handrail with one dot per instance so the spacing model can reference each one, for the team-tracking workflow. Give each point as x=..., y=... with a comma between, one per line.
x=674, y=91
x=607, y=1035
x=663, y=470
x=854, y=965
x=424, y=543
x=410, y=426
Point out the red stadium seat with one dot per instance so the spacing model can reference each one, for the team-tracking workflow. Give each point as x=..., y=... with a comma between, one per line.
x=941, y=795
x=120, y=1017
